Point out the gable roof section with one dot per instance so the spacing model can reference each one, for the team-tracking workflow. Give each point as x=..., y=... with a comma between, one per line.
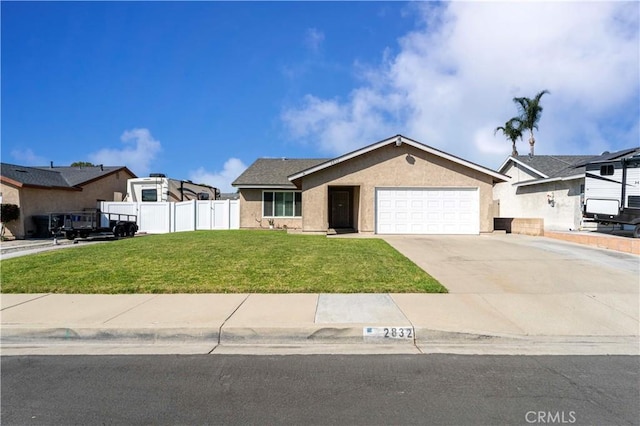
x=515, y=160
x=70, y=178
x=273, y=172
x=549, y=166
x=398, y=140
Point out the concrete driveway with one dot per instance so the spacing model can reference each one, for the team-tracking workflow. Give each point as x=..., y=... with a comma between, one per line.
x=520, y=264
x=514, y=285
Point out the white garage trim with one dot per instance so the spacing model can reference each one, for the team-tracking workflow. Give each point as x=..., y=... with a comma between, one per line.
x=432, y=210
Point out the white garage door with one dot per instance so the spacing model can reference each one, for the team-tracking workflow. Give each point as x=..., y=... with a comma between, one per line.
x=427, y=211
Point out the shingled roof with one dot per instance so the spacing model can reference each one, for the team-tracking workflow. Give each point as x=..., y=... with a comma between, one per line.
x=273, y=172
x=71, y=178
x=555, y=165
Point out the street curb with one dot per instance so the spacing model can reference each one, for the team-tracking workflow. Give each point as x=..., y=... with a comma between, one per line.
x=317, y=339
x=322, y=334
x=110, y=335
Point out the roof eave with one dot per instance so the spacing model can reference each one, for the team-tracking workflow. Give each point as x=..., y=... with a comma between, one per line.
x=549, y=180
x=263, y=186
x=10, y=181
x=104, y=175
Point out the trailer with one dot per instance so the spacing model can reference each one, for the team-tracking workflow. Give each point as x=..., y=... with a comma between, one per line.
x=84, y=223
x=612, y=191
x=157, y=187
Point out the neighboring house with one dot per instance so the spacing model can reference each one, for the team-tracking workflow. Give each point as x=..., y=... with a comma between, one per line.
x=229, y=196
x=550, y=187
x=39, y=191
x=395, y=186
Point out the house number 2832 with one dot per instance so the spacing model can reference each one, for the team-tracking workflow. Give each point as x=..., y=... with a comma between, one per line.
x=398, y=333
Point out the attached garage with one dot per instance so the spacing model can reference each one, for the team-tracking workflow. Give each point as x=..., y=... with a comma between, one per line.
x=427, y=211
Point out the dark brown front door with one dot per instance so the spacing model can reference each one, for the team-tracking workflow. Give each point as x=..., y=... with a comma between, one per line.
x=340, y=212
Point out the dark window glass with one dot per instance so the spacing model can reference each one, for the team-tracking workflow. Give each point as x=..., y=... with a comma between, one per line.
x=298, y=204
x=606, y=170
x=149, y=195
x=267, y=203
x=281, y=204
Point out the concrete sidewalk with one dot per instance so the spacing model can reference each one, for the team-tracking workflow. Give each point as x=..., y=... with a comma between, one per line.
x=491, y=323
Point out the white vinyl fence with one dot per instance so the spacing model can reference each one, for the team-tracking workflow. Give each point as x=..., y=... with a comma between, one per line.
x=164, y=217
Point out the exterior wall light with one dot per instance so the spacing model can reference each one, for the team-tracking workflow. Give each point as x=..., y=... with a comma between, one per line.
x=551, y=199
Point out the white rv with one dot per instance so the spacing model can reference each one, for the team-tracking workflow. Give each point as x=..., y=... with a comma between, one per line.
x=612, y=190
x=158, y=187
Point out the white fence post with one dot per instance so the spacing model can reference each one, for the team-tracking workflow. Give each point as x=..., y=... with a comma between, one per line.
x=234, y=214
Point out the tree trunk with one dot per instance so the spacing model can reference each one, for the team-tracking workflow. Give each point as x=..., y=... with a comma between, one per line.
x=532, y=142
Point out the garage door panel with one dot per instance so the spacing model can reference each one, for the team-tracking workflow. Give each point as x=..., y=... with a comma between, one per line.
x=427, y=211
x=449, y=204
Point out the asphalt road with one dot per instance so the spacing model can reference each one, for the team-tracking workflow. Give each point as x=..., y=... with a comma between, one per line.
x=353, y=390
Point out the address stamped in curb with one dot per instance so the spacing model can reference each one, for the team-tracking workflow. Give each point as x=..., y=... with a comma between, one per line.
x=389, y=332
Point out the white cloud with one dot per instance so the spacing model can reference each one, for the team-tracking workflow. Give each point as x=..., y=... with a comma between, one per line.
x=232, y=168
x=452, y=81
x=26, y=157
x=138, y=154
x=313, y=39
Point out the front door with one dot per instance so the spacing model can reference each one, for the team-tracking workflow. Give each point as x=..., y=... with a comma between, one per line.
x=340, y=211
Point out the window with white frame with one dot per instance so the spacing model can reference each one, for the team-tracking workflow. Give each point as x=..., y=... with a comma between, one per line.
x=281, y=204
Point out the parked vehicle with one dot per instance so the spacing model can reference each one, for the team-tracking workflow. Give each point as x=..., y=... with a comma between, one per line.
x=158, y=187
x=90, y=222
x=612, y=191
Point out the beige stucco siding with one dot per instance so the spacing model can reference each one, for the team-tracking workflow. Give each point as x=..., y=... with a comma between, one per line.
x=389, y=166
x=40, y=201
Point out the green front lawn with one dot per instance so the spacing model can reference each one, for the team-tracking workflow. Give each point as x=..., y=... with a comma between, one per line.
x=220, y=262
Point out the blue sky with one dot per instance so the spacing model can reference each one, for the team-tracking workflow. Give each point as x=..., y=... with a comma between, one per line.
x=199, y=90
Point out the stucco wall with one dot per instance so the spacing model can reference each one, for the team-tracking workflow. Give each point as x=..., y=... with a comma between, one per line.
x=532, y=202
x=390, y=166
x=38, y=201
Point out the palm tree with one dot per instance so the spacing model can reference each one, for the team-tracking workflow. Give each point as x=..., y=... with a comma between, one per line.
x=512, y=131
x=530, y=113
